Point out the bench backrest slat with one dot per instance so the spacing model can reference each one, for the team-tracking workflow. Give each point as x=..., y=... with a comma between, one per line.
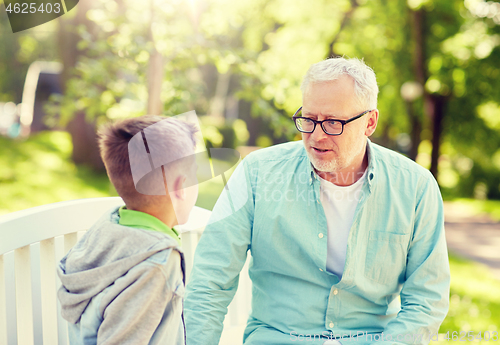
x=24, y=301
x=3, y=304
x=47, y=286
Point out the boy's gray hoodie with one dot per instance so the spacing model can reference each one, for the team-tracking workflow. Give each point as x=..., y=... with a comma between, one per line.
x=122, y=285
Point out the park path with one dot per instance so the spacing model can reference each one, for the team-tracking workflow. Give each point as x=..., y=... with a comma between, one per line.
x=473, y=237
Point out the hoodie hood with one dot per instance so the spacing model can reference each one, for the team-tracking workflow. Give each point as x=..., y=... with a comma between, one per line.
x=106, y=252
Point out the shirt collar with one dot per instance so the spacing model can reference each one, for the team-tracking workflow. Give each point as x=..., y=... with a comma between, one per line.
x=142, y=220
x=312, y=173
x=372, y=161
x=370, y=173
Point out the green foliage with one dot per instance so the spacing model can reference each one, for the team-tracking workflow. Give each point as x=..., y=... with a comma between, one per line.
x=218, y=132
x=110, y=78
x=467, y=69
x=475, y=298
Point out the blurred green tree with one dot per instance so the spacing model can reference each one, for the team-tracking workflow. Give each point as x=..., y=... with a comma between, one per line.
x=436, y=63
x=449, y=48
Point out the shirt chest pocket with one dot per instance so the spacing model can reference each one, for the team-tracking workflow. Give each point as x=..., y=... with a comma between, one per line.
x=386, y=257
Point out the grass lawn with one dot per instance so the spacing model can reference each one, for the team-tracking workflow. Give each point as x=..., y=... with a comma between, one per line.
x=473, y=207
x=38, y=171
x=475, y=299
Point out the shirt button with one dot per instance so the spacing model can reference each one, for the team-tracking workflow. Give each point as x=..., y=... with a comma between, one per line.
x=321, y=269
x=318, y=201
x=331, y=325
x=335, y=291
x=320, y=235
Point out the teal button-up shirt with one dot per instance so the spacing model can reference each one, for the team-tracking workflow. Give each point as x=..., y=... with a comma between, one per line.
x=396, y=248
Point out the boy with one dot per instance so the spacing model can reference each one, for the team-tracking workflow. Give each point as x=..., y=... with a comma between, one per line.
x=123, y=282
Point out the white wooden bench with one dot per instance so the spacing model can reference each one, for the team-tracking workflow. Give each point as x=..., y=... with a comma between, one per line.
x=32, y=241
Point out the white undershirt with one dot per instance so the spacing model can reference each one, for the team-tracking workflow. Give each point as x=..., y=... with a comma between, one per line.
x=339, y=204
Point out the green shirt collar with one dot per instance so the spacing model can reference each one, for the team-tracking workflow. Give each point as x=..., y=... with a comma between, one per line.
x=141, y=220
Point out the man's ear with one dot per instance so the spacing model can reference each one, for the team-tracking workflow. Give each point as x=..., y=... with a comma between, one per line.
x=372, y=122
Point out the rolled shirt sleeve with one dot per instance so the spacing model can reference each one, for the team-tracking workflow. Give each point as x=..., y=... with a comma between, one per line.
x=220, y=256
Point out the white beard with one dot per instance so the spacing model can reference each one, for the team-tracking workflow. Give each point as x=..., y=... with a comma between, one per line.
x=324, y=165
x=337, y=163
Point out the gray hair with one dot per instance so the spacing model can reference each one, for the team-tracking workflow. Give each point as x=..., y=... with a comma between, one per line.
x=365, y=82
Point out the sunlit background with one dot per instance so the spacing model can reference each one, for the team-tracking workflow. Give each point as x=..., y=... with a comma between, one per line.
x=239, y=65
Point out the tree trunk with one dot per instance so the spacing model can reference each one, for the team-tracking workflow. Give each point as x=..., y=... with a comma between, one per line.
x=438, y=103
x=155, y=78
x=156, y=69
x=416, y=129
x=218, y=106
x=84, y=139
x=343, y=23
x=418, y=36
x=83, y=133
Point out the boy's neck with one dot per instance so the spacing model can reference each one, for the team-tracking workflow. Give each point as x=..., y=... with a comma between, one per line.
x=166, y=217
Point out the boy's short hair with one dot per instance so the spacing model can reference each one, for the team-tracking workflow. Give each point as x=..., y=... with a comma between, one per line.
x=177, y=140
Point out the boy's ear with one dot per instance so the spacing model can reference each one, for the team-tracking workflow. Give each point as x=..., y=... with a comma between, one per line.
x=178, y=186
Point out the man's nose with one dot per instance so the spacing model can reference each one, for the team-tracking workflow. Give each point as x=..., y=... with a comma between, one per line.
x=318, y=133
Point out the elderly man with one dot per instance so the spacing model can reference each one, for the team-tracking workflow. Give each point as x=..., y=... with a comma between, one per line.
x=346, y=237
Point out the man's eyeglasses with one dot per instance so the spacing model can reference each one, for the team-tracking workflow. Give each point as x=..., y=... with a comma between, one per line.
x=330, y=127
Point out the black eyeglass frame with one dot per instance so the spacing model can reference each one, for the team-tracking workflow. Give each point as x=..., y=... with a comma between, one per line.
x=343, y=122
